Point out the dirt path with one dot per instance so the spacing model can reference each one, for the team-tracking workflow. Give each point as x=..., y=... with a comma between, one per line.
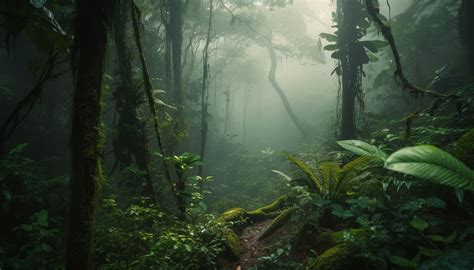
x=251, y=248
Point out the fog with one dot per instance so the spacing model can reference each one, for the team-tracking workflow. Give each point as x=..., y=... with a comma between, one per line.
x=258, y=119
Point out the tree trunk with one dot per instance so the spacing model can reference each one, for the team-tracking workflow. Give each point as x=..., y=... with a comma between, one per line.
x=351, y=70
x=467, y=29
x=131, y=145
x=176, y=38
x=280, y=92
x=87, y=134
x=149, y=95
x=205, y=94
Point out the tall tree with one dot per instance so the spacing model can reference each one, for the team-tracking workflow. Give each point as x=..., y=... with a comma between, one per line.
x=90, y=42
x=131, y=144
x=175, y=32
x=467, y=28
x=352, y=56
x=148, y=86
x=204, y=91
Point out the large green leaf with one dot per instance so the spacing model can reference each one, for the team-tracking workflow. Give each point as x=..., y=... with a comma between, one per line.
x=328, y=37
x=362, y=149
x=432, y=164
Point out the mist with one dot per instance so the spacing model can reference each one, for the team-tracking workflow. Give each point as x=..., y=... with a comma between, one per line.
x=236, y=134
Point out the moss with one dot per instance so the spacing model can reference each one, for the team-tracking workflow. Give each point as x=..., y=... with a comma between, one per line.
x=327, y=240
x=279, y=221
x=339, y=257
x=233, y=214
x=274, y=206
x=257, y=215
x=232, y=245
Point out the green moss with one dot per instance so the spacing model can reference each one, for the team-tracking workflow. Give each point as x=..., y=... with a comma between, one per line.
x=274, y=206
x=327, y=240
x=279, y=221
x=339, y=257
x=257, y=215
x=232, y=245
x=233, y=214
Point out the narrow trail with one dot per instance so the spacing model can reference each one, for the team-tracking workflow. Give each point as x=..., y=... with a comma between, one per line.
x=251, y=248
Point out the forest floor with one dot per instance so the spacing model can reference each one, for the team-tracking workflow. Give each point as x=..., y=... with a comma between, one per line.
x=252, y=248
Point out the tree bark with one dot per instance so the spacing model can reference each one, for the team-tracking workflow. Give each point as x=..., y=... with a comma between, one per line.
x=280, y=92
x=131, y=144
x=149, y=95
x=176, y=37
x=205, y=94
x=87, y=133
x=467, y=29
x=351, y=70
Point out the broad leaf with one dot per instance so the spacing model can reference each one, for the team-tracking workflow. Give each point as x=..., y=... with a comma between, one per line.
x=328, y=37
x=330, y=47
x=432, y=164
x=362, y=149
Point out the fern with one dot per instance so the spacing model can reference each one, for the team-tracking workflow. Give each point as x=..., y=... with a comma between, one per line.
x=330, y=174
x=432, y=164
x=313, y=180
x=349, y=172
x=464, y=148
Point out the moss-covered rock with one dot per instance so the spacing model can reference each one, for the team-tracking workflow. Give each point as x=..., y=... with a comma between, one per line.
x=339, y=257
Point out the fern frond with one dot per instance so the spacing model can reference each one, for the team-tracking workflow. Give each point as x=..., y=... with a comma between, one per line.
x=464, y=148
x=313, y=181
x=350, y=171
x=330, y=173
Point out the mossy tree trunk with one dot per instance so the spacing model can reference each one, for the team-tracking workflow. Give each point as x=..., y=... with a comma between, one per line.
x=92, y=18
x=131, y=144
x=148, y=86
x=350, y=69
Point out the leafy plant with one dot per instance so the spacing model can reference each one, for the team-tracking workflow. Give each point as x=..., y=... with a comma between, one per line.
x=425, y=162
x=432, y=164
x=331, y=181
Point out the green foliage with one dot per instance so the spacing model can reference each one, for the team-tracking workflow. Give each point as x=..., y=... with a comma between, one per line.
x=28, y=232
x=36, y=20
x=362, y=148
x=425, y=161
x=464, y=148
x=313, y=182
x=334, y=183
x=184, y=162
x=142, y=237
x=432, y=164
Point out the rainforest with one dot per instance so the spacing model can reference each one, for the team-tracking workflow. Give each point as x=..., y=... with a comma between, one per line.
x=237, y=134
